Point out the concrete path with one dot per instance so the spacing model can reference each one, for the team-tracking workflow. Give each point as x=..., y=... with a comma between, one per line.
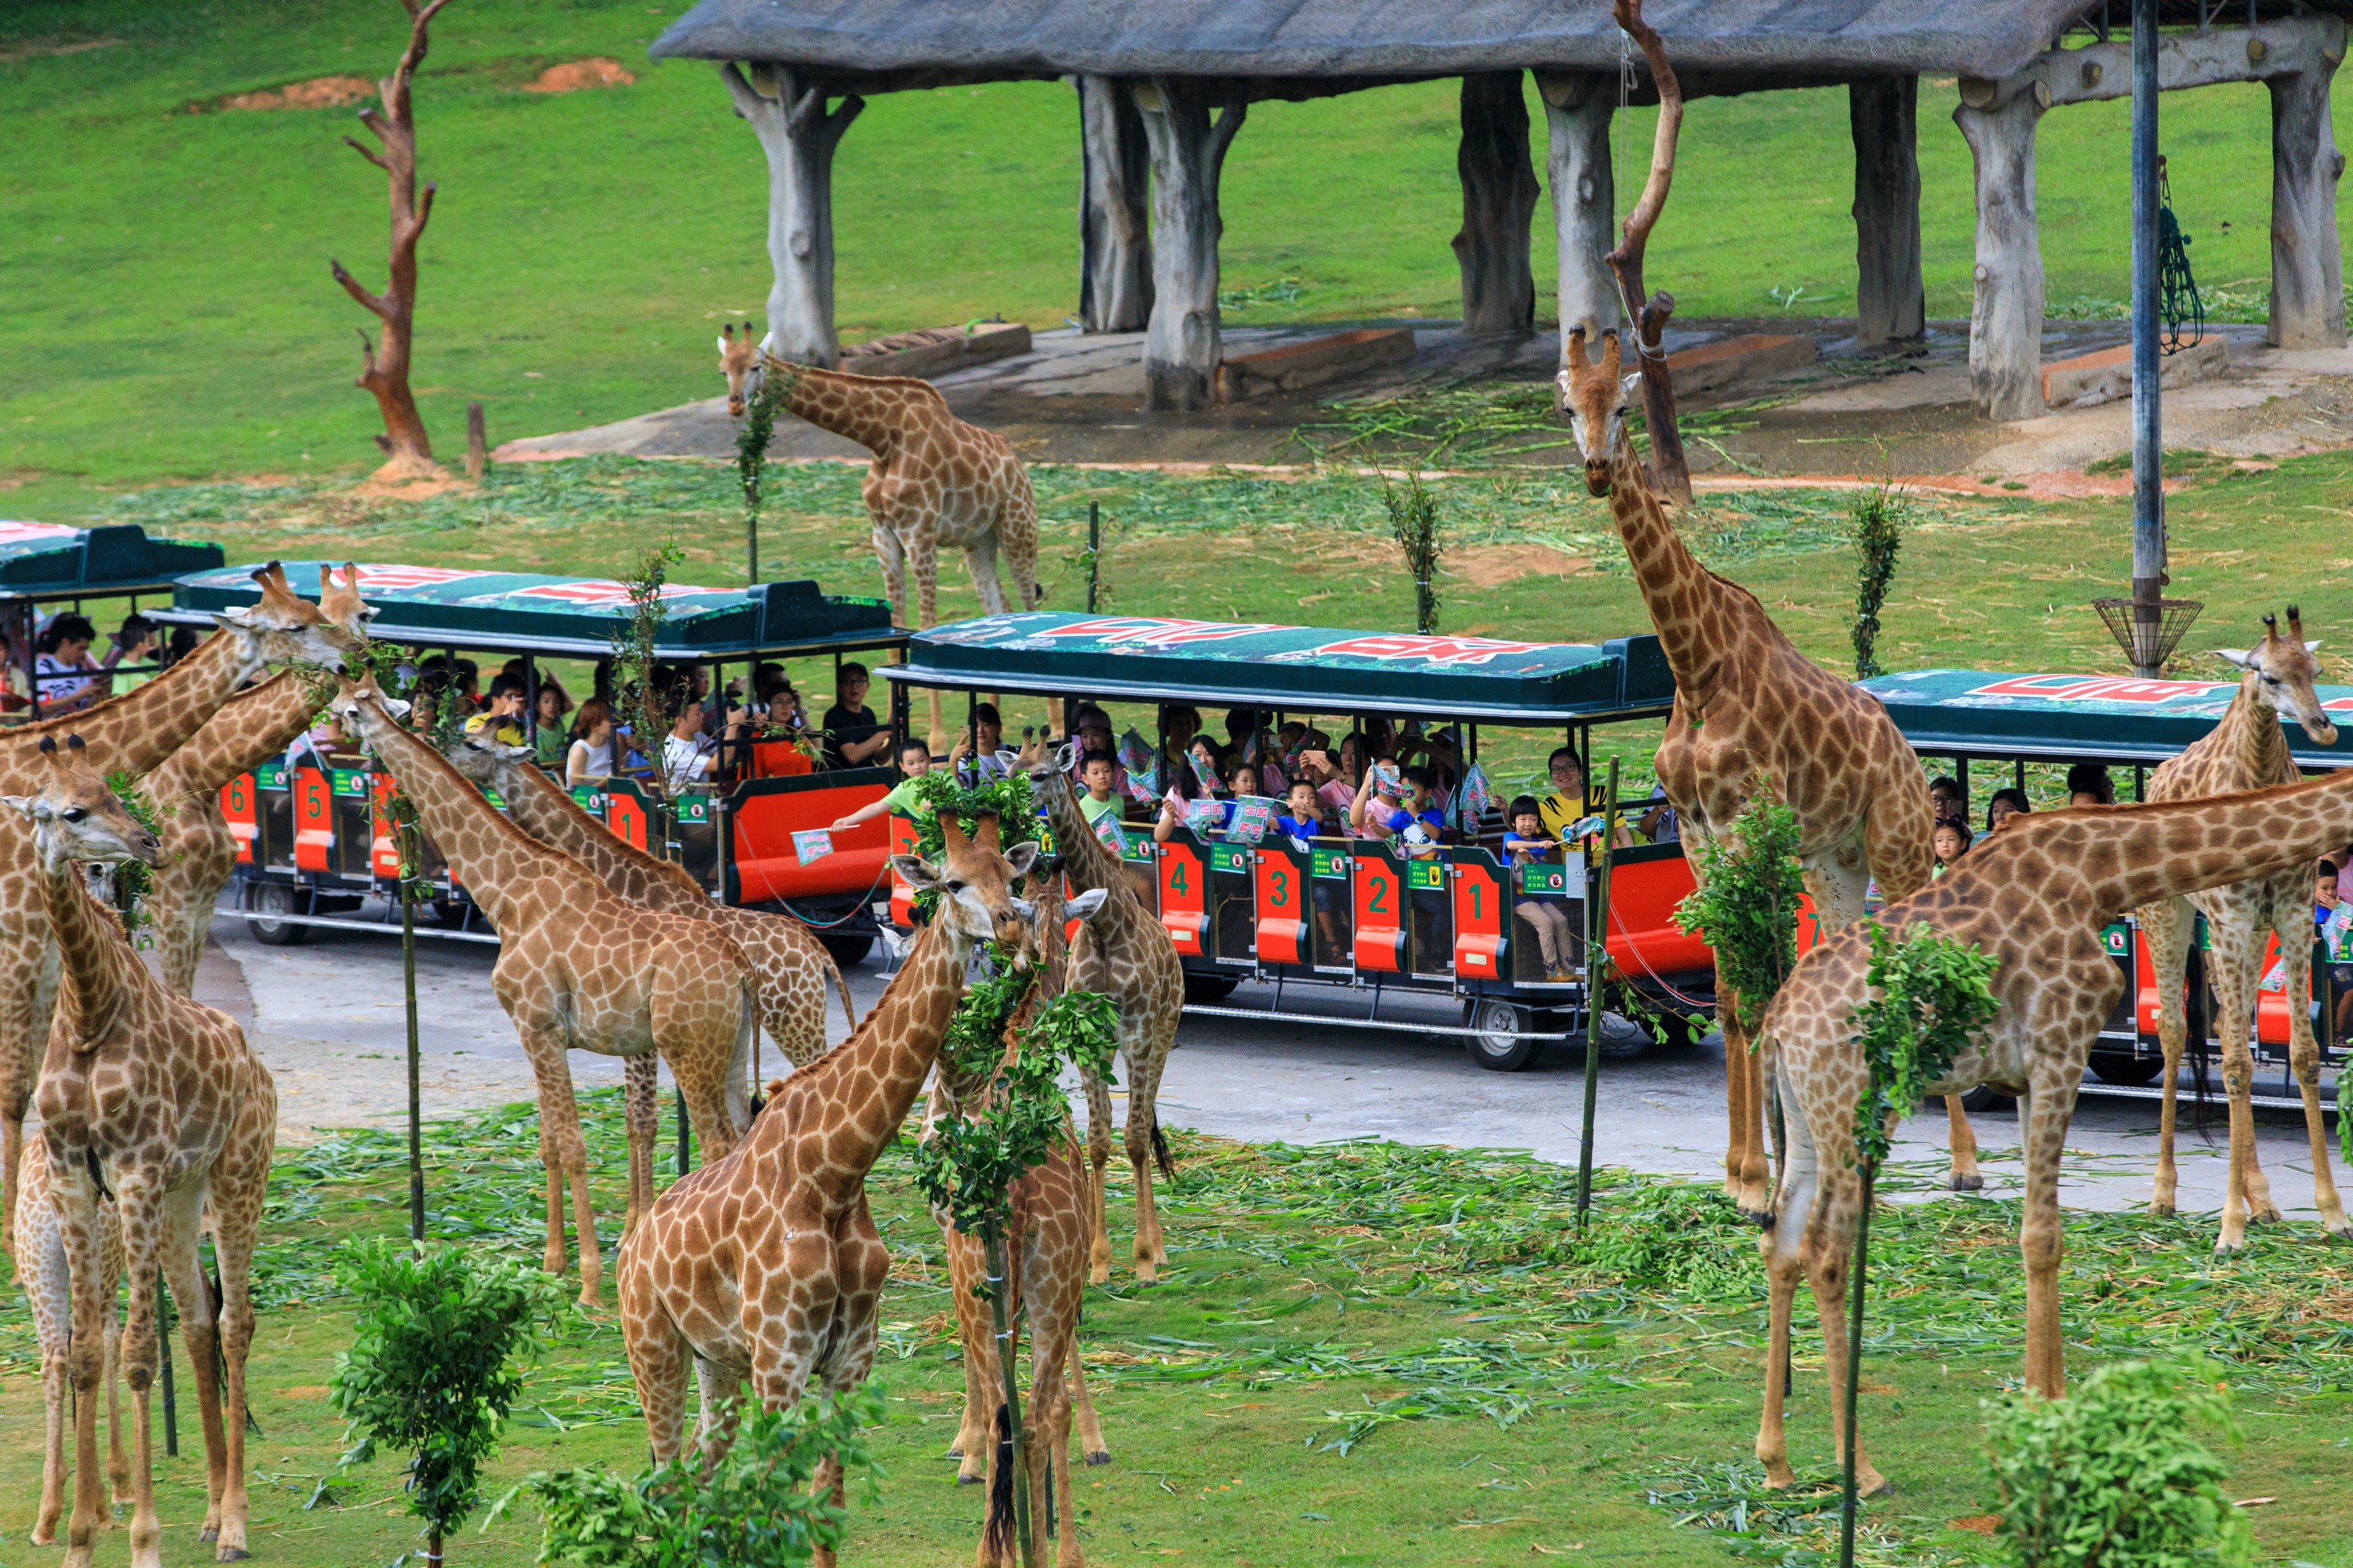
x=327, y=1017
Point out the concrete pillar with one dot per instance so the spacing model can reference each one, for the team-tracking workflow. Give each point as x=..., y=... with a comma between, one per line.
x=1891, y=304
x=1181, y=349
x=1577, y=107
x=1499, y=198
x=2308, y=266
x=1115, y=211
x=2006, y=316
x=787, y=112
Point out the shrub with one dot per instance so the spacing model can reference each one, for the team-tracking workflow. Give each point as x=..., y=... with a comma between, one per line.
x=2111, y=1476
x=1670, y=1237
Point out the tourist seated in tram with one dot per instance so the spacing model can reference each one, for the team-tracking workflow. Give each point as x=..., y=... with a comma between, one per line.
x=2088, y=784
x=2005, y=804
x=1660, y=824
x=501, y=717
x=1946, y=798
x=2332, y=917
x=1098, y=804
x=590, y=758
x=914, y=761
x=1571, y=801
x=1305, y=820
x=1525, y=843
x=1951, y=841
x=1207, y=811
x=988, y=762
x=852, y=738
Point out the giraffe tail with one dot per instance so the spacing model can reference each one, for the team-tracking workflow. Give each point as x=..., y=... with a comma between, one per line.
x=841, y=985
x=1160, y=1155
x=997, y=1536
x=739, y=1063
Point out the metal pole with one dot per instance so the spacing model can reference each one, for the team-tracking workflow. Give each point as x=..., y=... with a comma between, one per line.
x=407, y=832
x=685, y=1152
x=164, y=1326
x=992, y=1243
x=1855, y=1363
x=1095, y=551
x=1597, y=965
x=2149, y=449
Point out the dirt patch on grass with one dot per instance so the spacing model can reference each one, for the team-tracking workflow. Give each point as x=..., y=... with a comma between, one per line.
x=573, y=76
x=318, y=93
x=1493, y=566
x=33, y=48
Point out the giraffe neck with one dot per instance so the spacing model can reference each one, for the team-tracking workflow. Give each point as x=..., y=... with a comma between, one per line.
x=249, y=729
x=551, y=815
x=2254, y=741
x=1087, y=861
x=873, y=411
x=486, y=849
x=135, y=732
x=885, y=1062
x=90, y=948
x=1685, y=599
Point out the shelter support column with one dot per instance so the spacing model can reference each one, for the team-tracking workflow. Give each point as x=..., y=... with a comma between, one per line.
x=1499, y=199
x=2006, y=317
x=1114, y=212
x=787, y=109
x=1181, y=348
x=2307, y=269
x=1577, y=107
x=1891, y=304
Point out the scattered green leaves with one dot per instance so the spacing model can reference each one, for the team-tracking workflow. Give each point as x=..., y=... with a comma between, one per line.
x=1935, y=992
x=1746, y=901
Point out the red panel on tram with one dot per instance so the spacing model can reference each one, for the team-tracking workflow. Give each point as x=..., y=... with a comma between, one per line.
x=1378, y=885
x=1280, y=890
x=1185, y=896
x=238, y=807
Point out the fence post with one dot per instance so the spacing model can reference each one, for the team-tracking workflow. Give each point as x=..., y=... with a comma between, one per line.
x=1597, y=965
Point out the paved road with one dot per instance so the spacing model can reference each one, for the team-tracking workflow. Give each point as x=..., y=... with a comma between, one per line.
x=327, y=1017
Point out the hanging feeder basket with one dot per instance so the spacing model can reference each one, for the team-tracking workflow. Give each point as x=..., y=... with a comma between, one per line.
x=2148, y=643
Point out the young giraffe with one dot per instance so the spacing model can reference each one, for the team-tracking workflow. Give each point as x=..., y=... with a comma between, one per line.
x=2247, y=750
x=255, y=725
x=935, y=480
x=41, y=1254
x=2035, y=896
x=1123, y=952
x=786, y=960
x=160, y=1101
x=581, y=969
x=1746, y=702
x=1051, y=1234
x=133, y=734
x=766, y=1265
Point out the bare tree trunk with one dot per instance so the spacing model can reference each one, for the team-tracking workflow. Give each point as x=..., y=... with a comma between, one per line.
x=1578, y=109
x=2006, y=312
x=1181, y=347
x=1115, y=211
x=1499, y=199
x=408, y=452
x=1671, y=472
x=787, y=109
x=2307, y=265
x=1890, y=305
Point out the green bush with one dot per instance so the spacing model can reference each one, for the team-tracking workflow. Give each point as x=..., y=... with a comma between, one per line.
x=755, y=1507
x=1670, y=1237
x=432, y=1371
x=2111, y=1476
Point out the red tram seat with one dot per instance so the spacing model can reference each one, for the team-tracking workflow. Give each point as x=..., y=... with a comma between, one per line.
x=767, y=867
x=1644, y=937
x=1482, y=915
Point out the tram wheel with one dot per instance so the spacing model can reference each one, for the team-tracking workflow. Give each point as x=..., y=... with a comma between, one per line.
x=1208, y=990
x=276, y=898
x=1985, y=1097
x=849, y=952
x=1493, y=1026
x=2127, y=1067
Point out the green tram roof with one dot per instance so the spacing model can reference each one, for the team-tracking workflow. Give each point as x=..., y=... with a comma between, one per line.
x=2116, y=718
x=1305, y=669
x=51, y=560
x=434, y=606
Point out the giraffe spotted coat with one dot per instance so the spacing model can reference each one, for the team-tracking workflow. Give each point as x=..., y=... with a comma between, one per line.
x=40, y=1255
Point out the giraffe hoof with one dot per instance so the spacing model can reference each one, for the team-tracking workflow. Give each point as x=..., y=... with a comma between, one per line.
x=231, y=1554
x=1873, y=1484
x=1967, y=1181
x=1099, y=1456
x=209, y=1533
x=2161, y=1208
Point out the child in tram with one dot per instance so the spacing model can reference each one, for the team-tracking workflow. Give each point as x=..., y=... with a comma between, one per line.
x=2332, y=917
x=1951, y=842
x=1304, y=820
x=1527, y=843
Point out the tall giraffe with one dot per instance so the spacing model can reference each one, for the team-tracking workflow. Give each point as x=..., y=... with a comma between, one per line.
x=159, y=1100
x=787, y=963
x=581, y=969
x=766, y=1265
x=129, y=733
x=1125, y=953
x=1748, y=703
x=40, y=1255
x=251, y=728
x=2246, y=750
x=935, y=480
x=2035, y=896
x=1048, y=1242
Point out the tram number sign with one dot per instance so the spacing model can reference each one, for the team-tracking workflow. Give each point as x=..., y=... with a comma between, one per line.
x=1328, y=863
x=1424, y=875
x=2119, y=938
x=1228, y=857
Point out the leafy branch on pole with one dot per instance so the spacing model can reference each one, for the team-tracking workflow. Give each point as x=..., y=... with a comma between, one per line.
x=1747, y=903
x=1413, y=518
x=776, y=382
x=636, y=695
x=1877, y=519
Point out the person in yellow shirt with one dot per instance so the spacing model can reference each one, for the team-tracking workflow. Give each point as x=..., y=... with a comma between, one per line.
x=503, y=714
x=1570, y=801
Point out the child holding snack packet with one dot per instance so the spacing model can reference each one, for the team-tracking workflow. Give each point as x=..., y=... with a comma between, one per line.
x=1527, y=843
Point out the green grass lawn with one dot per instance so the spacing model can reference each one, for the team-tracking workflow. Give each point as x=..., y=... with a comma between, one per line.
x=1360, y=1353
x=170, y=312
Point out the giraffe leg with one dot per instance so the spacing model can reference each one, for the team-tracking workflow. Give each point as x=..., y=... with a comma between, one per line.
x=2236, y=953
x=2165, y=930
x=1828, y=1252
x=1090, y=1432
x=924, y=553
x=139, y=1198
x=199, y=1335
x=1017, y=532
x=565, y=1151
x=863, y=1266
x=2303, y=1060
x=110, y=1288
x=1785, y=1266
x=41, y=1272
x=980, y=560
x=658, y=1353
x=1744, y=1160
x=975, y=1435
x=1099, y=1158
x=641, y=1116
x=2043, y=1118
x=241, y=1182
x=1965, y=1176
x=22, y=1046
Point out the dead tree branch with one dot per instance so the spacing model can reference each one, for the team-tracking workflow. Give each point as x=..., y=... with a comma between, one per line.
x=1650, y=314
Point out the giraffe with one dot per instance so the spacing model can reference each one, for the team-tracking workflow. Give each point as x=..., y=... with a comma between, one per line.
x=251, y=728
x=766, y=1265
x=1123, y=952
x=1049, y=1240
x=41, y=1254
x=1746, y=702
x=786, y=961
x=935, y=480
x=2246, y=750
x=581, y=969
x=133, y=734
x=159, y=1100
x=2035, y=896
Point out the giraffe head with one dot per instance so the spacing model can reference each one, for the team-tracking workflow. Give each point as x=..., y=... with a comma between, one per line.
x=339, y=599
x=975, y=881
x=1596, y=400
x=359, y=703
x=1049, y=763
x=284, y=628
x=2284, y=669
x=482, y=760
x=739, y=361
x=76, y=816
x=1050, y=922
